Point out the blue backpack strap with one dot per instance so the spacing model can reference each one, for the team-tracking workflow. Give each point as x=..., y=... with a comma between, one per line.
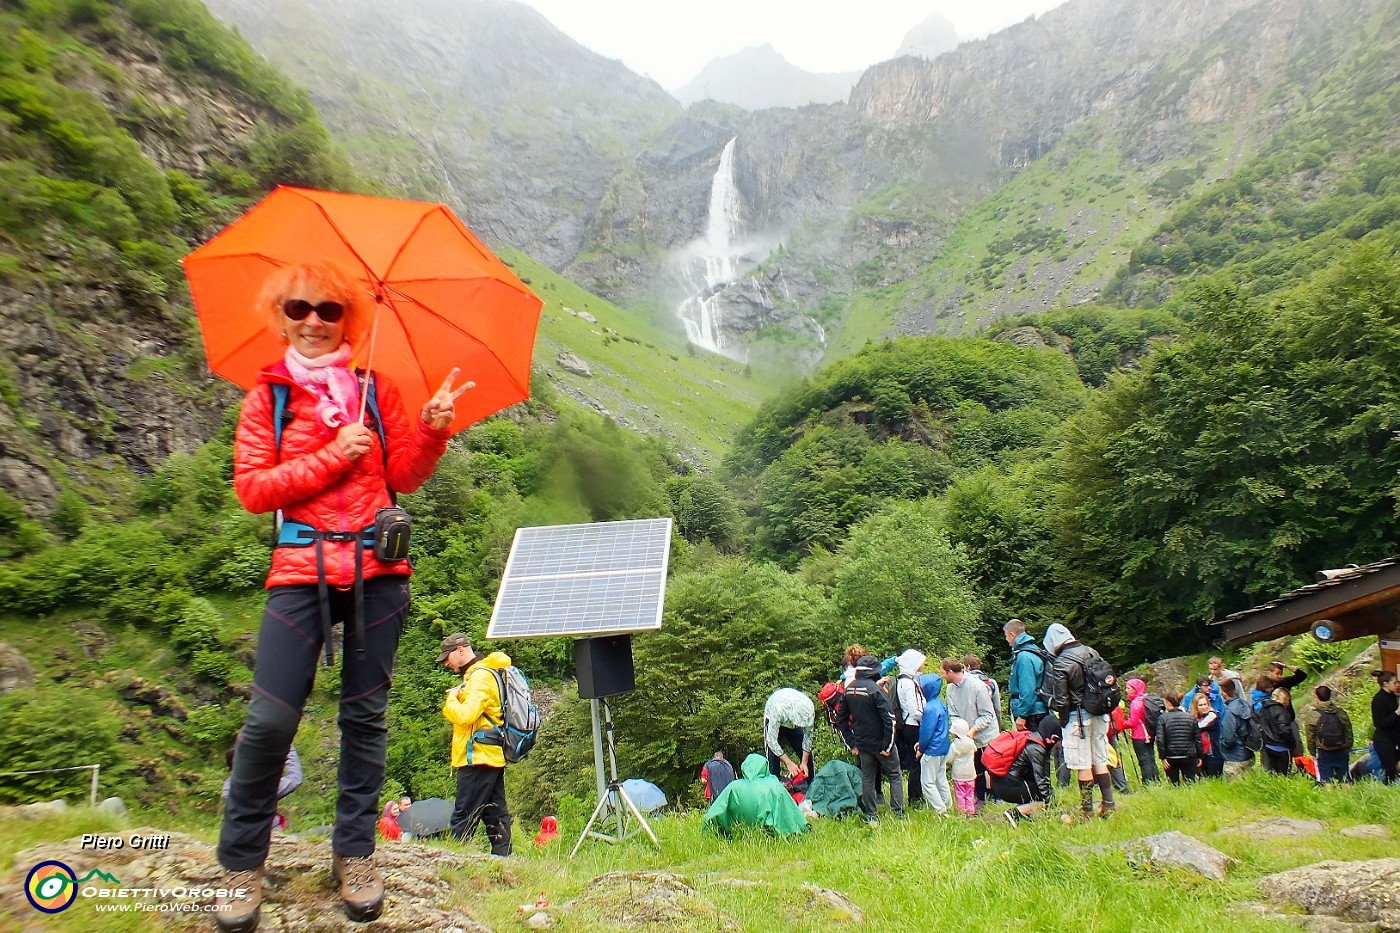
x=280, y=393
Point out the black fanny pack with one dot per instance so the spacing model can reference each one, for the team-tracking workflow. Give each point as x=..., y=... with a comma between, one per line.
x=392, y=530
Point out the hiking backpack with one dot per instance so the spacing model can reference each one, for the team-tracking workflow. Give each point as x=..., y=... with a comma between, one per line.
x=1249, y=733
x=993, y=690
x=1101, y=693
x=1152, y=708
x=1043, y=688
x=830, y=697
x=520, y=721
x=1331, y=734
x=716, y=775
x=897, y=706
x=1002, y=751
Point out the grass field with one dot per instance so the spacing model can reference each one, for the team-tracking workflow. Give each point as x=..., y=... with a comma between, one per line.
x=922, y=872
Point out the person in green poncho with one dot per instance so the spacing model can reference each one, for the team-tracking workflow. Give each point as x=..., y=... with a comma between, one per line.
x=756, y=799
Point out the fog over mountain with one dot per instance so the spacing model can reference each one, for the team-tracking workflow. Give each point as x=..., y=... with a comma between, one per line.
x=930, y=39
x=760, y=77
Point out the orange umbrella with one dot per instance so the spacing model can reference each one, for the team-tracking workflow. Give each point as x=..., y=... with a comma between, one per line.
x=441, y=298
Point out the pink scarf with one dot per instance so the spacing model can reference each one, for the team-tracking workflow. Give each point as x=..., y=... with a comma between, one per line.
x=328, y=378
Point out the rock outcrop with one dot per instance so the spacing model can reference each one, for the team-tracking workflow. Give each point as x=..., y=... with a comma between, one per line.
x=298, y=892
x=1357, y=892
x=1171, y=849
x=15, y=670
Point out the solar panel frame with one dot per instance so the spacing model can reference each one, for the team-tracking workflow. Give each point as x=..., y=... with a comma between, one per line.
x=583, y=580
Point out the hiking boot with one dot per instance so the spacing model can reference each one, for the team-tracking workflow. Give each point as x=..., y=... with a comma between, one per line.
x=235, y=913
x=361, y=887
x=1106, y=810
x=1013, y=816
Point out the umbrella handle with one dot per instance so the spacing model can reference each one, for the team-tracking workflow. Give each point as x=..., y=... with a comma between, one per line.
x=369, y=360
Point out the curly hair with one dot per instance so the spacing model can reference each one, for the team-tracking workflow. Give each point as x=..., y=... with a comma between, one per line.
x=319, y=280
x=853, y=654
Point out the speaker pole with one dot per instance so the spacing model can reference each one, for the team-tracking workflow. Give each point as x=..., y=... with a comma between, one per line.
x=598, y=750
x=614, y=806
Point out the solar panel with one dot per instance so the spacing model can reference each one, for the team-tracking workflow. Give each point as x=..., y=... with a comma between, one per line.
x=602, y=578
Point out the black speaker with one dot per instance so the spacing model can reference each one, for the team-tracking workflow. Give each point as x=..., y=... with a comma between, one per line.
x=604, y=666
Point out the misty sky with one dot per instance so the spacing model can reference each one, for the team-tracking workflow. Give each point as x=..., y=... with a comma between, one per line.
x=671, y=40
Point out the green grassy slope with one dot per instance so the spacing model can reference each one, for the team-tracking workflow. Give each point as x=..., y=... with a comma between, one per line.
x=1055, y=234
x=646, y=377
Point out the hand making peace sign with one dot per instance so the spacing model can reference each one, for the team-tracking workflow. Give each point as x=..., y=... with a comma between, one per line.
x=439, y=411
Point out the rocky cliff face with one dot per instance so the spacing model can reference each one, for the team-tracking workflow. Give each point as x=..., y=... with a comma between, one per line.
x=481, y=103
x=102, y=379
x=1017, y=92
x=865, y=194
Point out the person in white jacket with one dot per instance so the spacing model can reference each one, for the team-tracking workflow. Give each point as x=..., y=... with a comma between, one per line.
x=911, y=711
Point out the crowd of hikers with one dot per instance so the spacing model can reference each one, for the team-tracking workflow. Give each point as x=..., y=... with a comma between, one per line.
x=943, y=740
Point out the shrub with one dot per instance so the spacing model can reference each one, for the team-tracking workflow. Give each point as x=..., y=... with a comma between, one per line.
x=215, y=726
x=197, y=629
x=1314, y=655
x=54, y=727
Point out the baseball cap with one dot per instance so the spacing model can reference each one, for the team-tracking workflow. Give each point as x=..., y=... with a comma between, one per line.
x=451, y=643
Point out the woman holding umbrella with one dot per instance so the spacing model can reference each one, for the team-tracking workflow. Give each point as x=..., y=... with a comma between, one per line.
x=303, y=449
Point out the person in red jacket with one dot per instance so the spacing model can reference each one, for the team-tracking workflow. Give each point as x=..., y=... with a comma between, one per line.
x=389, y=826
x=328, y=474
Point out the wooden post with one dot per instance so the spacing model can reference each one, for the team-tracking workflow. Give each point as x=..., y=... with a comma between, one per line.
x=1390, y=652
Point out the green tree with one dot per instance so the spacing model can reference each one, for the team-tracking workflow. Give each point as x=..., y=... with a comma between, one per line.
x=901, y=583
x=1239, y=461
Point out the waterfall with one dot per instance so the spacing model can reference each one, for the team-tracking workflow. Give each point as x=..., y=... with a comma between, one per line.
x=715, y=261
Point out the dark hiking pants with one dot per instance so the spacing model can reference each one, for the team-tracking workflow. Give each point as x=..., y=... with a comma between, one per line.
x=1147, y=760
x=906, y=739
x=289, y=646
x=481, y=798
x=1183, y=769
x=873, y=766
x=1333, y=765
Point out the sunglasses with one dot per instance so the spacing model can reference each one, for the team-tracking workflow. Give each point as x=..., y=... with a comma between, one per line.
x=327, y=311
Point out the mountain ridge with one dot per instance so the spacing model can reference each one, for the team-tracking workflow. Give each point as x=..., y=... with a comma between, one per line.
x=759, y=77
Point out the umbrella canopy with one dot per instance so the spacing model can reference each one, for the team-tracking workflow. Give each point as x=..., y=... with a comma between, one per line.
x=646, y=795
x=439, y=298
x=426, y=817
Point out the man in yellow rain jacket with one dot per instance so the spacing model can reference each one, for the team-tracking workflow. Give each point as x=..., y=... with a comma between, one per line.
x=474, y=709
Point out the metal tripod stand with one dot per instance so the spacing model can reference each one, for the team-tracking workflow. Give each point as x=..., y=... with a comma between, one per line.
x=614, y=806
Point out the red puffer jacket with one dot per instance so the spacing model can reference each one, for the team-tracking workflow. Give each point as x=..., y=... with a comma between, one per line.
x=315, y=483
